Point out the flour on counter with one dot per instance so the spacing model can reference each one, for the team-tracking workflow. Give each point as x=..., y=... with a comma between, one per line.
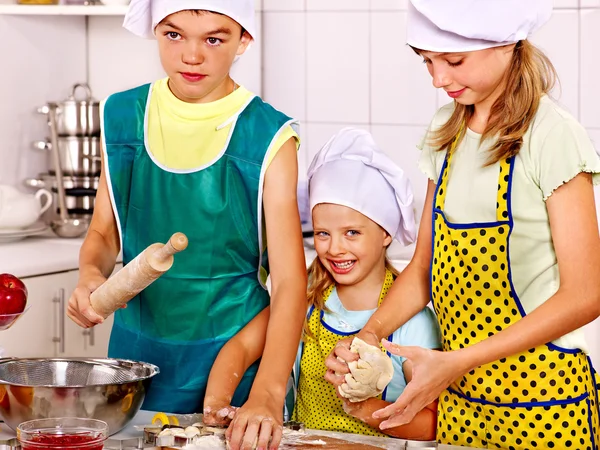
x=206, y=442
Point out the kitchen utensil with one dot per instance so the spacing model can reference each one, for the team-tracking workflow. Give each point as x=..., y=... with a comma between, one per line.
x=19, y=210
x=79, y=156
x=155, y=260
x=64, y=226
x=111, y=390
x=64, y=433
x=76, y=117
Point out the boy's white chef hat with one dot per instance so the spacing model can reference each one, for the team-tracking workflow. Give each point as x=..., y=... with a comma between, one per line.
x=468, y=25
x=350, y=170
x=144, y=15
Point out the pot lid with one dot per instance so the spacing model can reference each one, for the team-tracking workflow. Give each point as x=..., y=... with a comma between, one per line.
x=73, y=98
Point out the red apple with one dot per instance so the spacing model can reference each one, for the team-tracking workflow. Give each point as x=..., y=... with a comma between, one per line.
x=13, y=295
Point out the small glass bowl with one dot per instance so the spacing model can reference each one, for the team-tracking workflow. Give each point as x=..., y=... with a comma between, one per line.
x=8, y=320
x=63, y=433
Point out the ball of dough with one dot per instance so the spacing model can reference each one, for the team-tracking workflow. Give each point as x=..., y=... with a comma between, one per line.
x=368, y=376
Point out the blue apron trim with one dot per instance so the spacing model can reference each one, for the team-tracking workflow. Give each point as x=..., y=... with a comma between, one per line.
x=466, y=226
x=594, y=378
x=523, y=404
x=333, y=330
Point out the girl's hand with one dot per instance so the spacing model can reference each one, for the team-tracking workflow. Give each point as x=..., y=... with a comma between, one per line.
x=259, y=422
x=336, y=380
x=336, y=361
x=433, y=372
x=218, y=413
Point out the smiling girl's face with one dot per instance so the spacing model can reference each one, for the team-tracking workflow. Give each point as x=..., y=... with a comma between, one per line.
x=349, y=244
x=197, y=49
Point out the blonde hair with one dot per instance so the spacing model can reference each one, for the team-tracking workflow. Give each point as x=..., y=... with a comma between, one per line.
x=529, y=76
x=319, y=281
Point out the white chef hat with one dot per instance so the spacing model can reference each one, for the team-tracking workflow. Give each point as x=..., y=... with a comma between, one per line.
x=144, y=15
x=350, y=170
x=468, y=25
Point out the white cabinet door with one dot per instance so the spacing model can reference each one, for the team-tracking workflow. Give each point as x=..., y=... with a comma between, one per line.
x=88, y=343
x=39, y=331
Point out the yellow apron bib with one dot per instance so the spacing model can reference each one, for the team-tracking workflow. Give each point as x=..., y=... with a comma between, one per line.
x=317, y=406
x=544, y=397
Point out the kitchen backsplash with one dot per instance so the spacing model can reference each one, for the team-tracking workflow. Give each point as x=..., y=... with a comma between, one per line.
x=328, y=63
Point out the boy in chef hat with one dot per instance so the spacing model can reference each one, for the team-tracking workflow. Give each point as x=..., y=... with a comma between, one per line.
x=197, y=153
x=508, y=168
x=360, y=201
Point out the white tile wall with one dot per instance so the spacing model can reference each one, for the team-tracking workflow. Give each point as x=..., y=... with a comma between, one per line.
x=590, y=3
x=119, y=60
x=284, y=5
x=590, y=67
x=400, y=143
x=401, y=89
x=284, y=76
x=338, y=69
x=358, y=69
x=42, y=59
x=558, y=38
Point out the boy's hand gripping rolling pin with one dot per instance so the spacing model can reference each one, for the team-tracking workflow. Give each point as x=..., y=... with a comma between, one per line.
x=155, y=260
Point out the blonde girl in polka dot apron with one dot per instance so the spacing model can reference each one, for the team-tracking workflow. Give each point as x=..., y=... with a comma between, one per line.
x=508, y=248
x=360, y=200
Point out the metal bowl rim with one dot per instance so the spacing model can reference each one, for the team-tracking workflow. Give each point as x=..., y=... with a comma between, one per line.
x=153, y=369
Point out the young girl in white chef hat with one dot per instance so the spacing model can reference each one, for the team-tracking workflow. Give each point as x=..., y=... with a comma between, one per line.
x=197, y=153
x=508, y=248
x=360, y=201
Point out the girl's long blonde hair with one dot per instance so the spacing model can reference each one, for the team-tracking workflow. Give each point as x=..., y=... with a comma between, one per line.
x=529, y=76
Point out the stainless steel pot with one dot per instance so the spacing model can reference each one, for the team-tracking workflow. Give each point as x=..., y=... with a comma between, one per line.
x=76, y=117
x=78, y=155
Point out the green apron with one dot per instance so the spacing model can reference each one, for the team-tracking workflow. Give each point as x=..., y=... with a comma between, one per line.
x=216, y=286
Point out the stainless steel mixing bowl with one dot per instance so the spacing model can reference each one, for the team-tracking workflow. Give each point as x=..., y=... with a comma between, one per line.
x=111, y=390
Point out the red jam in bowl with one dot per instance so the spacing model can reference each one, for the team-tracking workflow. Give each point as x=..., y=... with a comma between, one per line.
x=62, y=434
x=64, y=441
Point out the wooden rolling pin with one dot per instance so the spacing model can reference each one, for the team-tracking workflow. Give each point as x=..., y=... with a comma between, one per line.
x=155, y=260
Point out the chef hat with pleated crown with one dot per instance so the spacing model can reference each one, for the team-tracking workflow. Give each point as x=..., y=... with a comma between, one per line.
x=350, y=170
x=468, y=25
x=144, y=15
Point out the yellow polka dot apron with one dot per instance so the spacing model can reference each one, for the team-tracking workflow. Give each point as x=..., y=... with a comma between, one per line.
x=544, y=397
x=317, y=404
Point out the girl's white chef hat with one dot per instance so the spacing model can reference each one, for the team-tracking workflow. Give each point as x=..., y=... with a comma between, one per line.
x=468, y=25
x=144, y=15
x=350, y=170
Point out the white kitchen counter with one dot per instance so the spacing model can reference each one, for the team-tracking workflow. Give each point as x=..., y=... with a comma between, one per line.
x=35, y=256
